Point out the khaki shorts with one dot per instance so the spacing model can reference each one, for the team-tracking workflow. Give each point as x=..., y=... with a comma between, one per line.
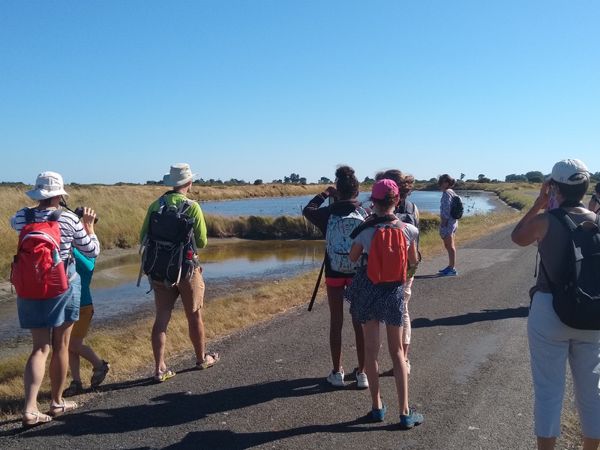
x=191, y=291
x=82, y=326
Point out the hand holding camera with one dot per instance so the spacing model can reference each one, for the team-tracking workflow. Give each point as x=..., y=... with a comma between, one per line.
x=88, y=218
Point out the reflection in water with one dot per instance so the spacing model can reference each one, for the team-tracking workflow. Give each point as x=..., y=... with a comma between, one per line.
x=226, y=266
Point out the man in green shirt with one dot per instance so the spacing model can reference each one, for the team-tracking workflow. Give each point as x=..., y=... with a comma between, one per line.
x=191, y=289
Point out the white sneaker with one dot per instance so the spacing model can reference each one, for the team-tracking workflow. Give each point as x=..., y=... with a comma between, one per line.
x=336, y=378
x=361, y=380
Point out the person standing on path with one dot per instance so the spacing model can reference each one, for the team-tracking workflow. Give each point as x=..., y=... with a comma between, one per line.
x=77, y=349
x=551, y=342
x=345, y=195
x=372, y=304
x=594, y=204
x=50, y=320
x=190, y=287
x=448, y=224
x=407, y=212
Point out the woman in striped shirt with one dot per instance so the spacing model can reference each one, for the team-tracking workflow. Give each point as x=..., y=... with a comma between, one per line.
x=51, y=320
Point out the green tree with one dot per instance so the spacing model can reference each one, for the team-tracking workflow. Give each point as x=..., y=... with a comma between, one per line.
x=535, y=176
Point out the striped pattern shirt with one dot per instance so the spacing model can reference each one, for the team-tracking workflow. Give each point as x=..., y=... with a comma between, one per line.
x=71, y=232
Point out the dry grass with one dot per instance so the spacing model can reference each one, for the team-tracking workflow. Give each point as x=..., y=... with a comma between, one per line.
x=121, y=210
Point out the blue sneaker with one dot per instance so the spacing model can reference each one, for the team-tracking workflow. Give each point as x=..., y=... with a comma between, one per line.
x=377, y=415
x=411, y=420
x=443, y=270
x=448, y=272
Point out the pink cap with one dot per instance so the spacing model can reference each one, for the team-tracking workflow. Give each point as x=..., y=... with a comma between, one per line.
x=384, y=188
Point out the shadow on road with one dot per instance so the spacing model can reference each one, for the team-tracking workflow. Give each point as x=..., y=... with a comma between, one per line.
x=236, y=441
x=472, y=317
x=180, y=408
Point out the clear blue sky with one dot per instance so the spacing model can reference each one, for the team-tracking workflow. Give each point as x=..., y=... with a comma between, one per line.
x=107, y=91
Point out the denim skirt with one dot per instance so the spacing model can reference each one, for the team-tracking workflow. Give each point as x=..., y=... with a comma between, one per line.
x=52, y=312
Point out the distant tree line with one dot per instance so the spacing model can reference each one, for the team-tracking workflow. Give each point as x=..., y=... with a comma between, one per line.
x=534, y=176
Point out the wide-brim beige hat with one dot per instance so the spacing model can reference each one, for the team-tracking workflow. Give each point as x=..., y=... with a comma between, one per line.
x=179, y=175
x=47, y=185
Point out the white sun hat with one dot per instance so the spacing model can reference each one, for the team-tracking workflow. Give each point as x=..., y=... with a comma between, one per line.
x=47, y=185
x=179, y=175
x=570, y=171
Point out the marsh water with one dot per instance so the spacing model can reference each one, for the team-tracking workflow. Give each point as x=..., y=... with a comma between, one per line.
x=475, y=202
x=227, y=267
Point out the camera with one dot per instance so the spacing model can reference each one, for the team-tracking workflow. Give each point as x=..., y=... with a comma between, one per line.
x=79, y=213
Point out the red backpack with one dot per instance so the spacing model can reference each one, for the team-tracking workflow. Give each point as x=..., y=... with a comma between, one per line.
x=387, y=262
x=37, y=271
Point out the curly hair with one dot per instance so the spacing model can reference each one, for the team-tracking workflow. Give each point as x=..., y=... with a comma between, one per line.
x=346, y=183
x=404, y=181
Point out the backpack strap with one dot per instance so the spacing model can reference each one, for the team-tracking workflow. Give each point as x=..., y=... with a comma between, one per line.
x=406, y=207
x=52, y=217
x=29, y=215
x=372, y=221
x=564, y=218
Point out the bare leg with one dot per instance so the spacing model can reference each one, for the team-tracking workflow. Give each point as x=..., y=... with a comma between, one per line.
x=159, y=337
x=36, y=366
x=371, y=334
x=335, y=297
x=406, y=317
x=360, y=345
x=74, y=349
x=451, y=248
x=196, y=333
x=394, y=338
x=59, y=361
x=590, y=444
x=78, y=349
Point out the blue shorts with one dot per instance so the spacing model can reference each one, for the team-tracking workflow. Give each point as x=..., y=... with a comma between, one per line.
x=52, y=312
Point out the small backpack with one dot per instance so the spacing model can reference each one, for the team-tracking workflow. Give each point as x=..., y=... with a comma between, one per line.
x=387, y=262
x=456, y=207
x=37, y=271
x=576, y=300
x=339, y=229
x=169, y=247
x=406, y=213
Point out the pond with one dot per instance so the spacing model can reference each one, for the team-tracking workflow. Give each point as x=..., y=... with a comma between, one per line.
x=475, y=202
x=227, y=267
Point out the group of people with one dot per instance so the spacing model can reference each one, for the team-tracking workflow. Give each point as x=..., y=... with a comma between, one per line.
x=372, y=253
x=349, y=229
x=52, y=272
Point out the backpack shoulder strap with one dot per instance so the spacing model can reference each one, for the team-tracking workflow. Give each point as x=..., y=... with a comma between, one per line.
x=54, y=215
x=564, y=218
x=29, y=215
x=362, y=211
x=185, y=205
x=372, y=221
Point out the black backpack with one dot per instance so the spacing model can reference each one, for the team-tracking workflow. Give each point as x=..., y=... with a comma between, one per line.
x=406, y=213
x=456, y=207
x=169, y=247
x=576, y=300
